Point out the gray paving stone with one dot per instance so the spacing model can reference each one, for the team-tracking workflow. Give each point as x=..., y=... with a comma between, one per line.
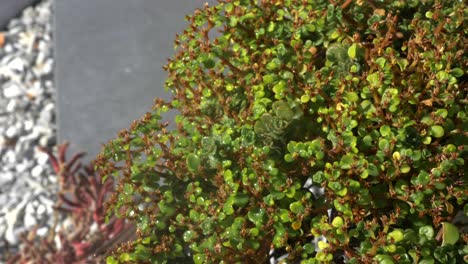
x=109, y=58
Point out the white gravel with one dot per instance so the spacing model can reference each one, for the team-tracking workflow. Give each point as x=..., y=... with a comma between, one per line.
x=27, y=120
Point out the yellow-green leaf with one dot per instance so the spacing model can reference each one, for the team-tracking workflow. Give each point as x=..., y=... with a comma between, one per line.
x=352, y=51
x=450, y=234
x=437, y=131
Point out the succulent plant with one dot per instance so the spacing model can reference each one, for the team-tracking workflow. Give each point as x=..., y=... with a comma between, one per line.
x=315, y=131
x=79, y=230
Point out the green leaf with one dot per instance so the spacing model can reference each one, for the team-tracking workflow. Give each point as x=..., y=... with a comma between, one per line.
x=351, y=97
x=209, y=63
x=208, y=144
x=437, y=131
x=318, y=177
x=271, y=26
x=241, y=199
x=284, y=216
x=442, y=113
x=342, y=192
x=442, y=76
x=227, y=207
x=257, y=216
x=319, y=155
x=274, y=64
x=373, y=79
x=247, y=16
x=427, y=120
x=189, y=235
x=352, y=51
x=457, y=72
x=282, y=110
x=297, y=207
x=402, y=63
x=381, y=62
x=367, y=140
x=338, y=222
x=346, y=161
x=262, y=126
x=405, y=168
x=384, y=259
x=373, y=170
x=427, y=140
x=111, y=260
x=336, y=54
x=193, y=162
x=450, y=234
x=126, y=257
x=199, y=258
x=410, y=236
x=229, y=7
x=385, y=130
x=426, y=231
x=233, y=21
x=278, y=239
x=268, y=78
x=397, y=235
x=364, y=174
x=330, y=11
x=278, y=88
x=426, y=260
x=229, y=87
x=384, y=144
x=423, y=178
x=305, y=98
x=288, y=158
x=258, y=110
x=323, y=245
x=344, y=208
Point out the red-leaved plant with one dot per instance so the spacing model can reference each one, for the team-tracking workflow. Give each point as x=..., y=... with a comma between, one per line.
x=80, y=233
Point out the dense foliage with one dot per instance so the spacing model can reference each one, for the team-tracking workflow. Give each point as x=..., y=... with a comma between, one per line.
x=331, y=131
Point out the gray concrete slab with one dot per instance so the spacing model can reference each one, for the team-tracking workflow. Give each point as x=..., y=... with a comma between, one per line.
x=109, y=58
x=12, y=8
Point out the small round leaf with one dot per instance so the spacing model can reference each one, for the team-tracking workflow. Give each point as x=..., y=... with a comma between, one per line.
x=193, y=162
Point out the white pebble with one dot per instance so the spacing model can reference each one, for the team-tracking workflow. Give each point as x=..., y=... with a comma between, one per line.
x=8, y=48
x=41, y=56
x=10, y=157
x=12, y=90
x=48, y=66
x=29, y=209
x=17, y=64
x=28, y=125
x=42, y=231
x=37, y=171
x=6, y=176
x=45, y=141
x=29, y=220
x=21, y=167
x=47, y=202
x=10, y=236
x=11, y=106
x=42, y=158
x=11, y=132
x=41, y=209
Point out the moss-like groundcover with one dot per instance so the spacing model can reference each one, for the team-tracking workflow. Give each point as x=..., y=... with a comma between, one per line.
x=365, y=99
